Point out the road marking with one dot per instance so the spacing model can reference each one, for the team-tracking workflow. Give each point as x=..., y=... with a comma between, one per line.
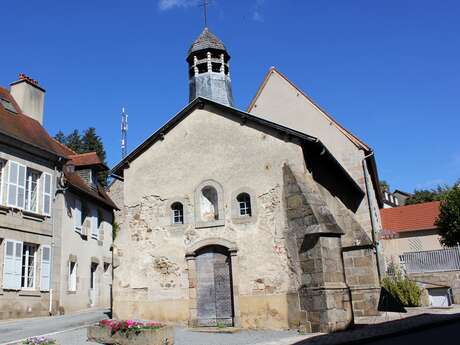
x=48, y=334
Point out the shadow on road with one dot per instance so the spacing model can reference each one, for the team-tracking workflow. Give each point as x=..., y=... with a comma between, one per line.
x=364, y=333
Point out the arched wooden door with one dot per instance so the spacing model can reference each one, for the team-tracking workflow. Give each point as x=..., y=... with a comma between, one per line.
x=214, y=287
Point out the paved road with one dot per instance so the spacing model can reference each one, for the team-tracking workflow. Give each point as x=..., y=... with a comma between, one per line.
x=11, y=331
x=445, y=334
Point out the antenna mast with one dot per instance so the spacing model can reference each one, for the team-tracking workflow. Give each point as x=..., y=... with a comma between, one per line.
x=124, y=133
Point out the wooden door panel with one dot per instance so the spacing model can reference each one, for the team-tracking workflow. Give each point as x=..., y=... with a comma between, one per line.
x=214, y=288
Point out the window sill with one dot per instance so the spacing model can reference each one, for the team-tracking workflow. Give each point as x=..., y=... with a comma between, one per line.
x=4, y=209
x=212, y=224
x=33, y=216
x=71, y=292
x=243, y=219
x=32, y=293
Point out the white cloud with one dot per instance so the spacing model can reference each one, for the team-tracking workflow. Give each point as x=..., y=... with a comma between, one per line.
x=165, y=5
x=257, y=14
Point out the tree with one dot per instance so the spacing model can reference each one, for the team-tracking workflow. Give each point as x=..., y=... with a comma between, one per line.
x=88, y=142
x=73, y=141
x=448, y=221
x=427, y=195
x=384, y=186
x=92, y=142
x=60, y=136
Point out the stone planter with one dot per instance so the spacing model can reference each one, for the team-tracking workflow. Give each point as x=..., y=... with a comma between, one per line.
x=160, y=336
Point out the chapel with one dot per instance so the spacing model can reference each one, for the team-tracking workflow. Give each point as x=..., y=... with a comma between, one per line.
x=259, y=218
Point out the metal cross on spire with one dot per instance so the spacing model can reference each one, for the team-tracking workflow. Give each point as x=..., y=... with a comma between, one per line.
x=205, y=5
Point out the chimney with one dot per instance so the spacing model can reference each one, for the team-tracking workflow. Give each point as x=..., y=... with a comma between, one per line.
x=29, y=96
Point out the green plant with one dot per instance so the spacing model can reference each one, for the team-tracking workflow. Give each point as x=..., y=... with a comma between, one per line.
x=448, y=220
x=115, y=229
x=220, y=325
x=403, y=289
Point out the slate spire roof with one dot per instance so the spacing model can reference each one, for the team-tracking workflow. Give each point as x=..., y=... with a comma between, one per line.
x=207, y=40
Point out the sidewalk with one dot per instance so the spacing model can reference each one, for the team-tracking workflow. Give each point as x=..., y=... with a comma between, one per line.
x=387, y=325
x=12, y=331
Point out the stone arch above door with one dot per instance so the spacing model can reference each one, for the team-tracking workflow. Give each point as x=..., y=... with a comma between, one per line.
x=231, y=246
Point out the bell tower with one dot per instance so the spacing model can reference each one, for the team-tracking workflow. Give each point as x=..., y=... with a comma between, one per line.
x=209, y=73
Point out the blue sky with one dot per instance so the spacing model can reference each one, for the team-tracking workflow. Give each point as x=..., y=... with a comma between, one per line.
x=387, y=70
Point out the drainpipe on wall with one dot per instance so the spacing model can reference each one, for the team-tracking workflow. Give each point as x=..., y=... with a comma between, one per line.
x=373, y=220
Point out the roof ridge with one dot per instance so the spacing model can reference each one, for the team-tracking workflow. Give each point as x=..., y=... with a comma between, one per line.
x=403, y=207
x=353, y=138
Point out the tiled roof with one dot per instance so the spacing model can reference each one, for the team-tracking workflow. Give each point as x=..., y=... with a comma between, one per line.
x=206, y=40
x=77, y=183
x=87, y=159
x=411, y=217
x=27, y=130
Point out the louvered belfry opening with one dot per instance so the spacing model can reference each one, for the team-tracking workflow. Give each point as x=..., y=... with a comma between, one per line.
x=214, y=287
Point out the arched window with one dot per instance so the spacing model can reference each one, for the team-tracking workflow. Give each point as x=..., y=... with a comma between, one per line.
x=244, y=203
x=209, y=204
x=177, y=213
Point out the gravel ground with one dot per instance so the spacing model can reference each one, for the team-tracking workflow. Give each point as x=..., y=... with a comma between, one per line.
x=187, y=337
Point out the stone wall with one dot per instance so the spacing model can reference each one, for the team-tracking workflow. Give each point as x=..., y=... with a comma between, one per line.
x=288, y=254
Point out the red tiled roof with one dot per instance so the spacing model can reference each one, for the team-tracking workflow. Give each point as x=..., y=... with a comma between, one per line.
x=411, y=217
x=77, y=183
x=27, y=130
x=87, y=159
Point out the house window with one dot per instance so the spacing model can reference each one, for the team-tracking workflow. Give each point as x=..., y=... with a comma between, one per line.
x=31, y=202
x=209, y=204
x=244, y=203
x=177, y=213
x=29, y=253
x=72, y=276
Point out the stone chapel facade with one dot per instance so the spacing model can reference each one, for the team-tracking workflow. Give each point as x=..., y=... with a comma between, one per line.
x=231, y=219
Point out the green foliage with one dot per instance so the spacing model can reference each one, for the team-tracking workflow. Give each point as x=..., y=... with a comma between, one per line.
x=427, y=195
x=115, y=230
x=89, y=141
x=448, y=220
x=384, y=186
x=403, y=289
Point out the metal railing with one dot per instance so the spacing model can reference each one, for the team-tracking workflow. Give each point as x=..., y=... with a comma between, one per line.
x=440, y=260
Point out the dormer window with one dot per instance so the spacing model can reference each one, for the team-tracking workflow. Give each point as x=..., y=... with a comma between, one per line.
x=7, y=105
